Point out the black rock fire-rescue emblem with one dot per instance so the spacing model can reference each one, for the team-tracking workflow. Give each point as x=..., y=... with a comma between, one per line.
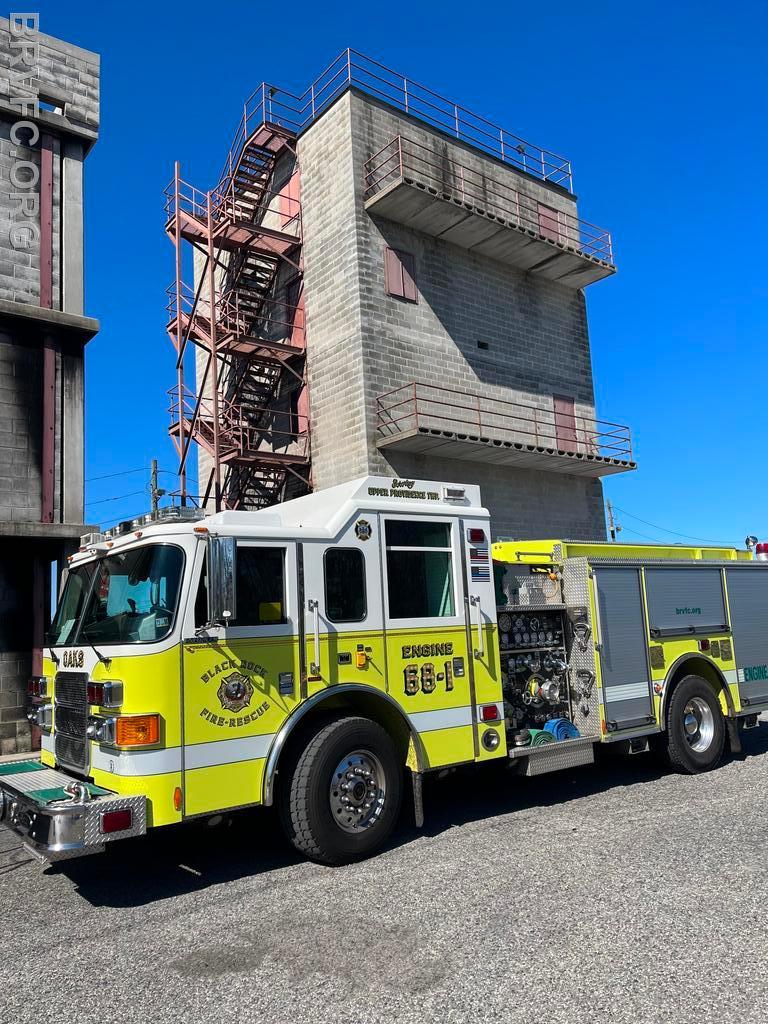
x=235, y=692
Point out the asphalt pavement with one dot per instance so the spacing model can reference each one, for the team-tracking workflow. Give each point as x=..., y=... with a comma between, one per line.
x=608, y=893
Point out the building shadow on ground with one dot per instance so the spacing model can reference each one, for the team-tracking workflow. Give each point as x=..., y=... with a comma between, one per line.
x=188, y=858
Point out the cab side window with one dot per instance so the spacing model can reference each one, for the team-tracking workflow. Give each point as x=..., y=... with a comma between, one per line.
x=201, y=598
x=419, y=569
x=345, y=597
x=260, y=586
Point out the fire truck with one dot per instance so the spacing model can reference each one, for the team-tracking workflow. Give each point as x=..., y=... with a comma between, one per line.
x=324, y=654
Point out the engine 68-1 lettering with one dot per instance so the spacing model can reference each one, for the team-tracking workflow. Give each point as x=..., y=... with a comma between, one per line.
x=427, y=650
x=423, y=677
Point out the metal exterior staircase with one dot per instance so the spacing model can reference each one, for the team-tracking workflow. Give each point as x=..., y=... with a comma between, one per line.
x=249, y=232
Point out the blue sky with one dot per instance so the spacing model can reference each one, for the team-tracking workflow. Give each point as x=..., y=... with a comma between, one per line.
x=660, y=107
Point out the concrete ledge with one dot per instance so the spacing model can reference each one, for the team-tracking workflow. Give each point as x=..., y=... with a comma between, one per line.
x=57, y=124
x=46, y=531
x=83, y=326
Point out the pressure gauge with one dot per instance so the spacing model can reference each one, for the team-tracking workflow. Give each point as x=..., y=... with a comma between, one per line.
x=505, y=622
x=534, y=624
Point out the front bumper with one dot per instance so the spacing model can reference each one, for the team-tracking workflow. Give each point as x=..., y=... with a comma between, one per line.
x=59, y=816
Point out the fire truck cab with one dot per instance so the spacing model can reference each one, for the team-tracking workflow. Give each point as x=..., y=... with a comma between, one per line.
x=319, y=653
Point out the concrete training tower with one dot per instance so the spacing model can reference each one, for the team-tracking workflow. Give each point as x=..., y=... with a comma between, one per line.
x=385, y=282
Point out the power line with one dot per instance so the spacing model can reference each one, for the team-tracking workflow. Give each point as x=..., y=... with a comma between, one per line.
x=110, y=476
x=119, y=497
x=123, y=518
x=126, y=472
x=663, y=529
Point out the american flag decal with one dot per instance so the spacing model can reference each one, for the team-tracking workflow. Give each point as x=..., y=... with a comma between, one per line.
x=481, y=572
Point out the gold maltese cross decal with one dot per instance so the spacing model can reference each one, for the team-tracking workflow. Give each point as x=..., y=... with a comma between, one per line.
x=235, y=692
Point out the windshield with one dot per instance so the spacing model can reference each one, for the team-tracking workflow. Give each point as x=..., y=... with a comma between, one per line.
x=71, y=603
x=126, y=598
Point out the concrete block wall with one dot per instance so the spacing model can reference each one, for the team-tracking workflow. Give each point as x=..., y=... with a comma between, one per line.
x=332, y=286
x=65, y=83
x=20, y=429
x=362, y=343
x=66, y=77
x=15, y=644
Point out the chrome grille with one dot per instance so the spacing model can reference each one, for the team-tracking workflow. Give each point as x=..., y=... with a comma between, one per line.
x=71, y=719
x=71, y=689
x=68, y=721
x=71, y=751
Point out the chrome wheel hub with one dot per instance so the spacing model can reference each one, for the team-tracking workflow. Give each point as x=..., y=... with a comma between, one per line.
x=357, y=791
x=698, y=724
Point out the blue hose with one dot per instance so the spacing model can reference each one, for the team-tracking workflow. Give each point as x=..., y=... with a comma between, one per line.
x=562, y=729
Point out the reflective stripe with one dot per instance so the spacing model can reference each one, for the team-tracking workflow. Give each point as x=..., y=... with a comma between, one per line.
x=197, y=755
x=137, y=762
x=733, y=675
x=626, y=691
x=246, y=748
x=46, y=742
x=449, y=718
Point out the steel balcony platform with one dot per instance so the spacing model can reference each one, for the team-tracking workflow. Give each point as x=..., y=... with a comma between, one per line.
x=469, y=448
x=467, y=225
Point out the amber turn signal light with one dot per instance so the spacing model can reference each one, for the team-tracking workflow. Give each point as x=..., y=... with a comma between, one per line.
x=137, y=730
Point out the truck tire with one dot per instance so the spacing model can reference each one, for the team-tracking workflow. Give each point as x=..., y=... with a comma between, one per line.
x=695, y=735
x=342, y=797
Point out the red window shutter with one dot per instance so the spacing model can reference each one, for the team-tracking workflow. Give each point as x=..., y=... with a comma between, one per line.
x=565, y=423
x=393, y=273
x=297, y=329
x=409, y=276
x=400, y=275
x=549, y=223
x=289, y=201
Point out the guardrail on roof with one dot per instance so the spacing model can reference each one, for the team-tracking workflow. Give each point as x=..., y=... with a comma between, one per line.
x=273, y=105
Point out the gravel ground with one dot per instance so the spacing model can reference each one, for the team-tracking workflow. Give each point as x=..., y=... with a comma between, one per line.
x=610, y=893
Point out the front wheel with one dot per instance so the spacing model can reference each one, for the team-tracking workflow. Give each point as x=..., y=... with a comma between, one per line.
x=695, y=727
x=343, y=795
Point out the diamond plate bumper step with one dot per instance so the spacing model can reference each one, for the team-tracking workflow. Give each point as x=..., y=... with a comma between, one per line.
x=58, y=816
x=553, y=757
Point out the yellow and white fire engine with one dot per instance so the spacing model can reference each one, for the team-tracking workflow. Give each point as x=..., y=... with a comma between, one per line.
x=319, y=653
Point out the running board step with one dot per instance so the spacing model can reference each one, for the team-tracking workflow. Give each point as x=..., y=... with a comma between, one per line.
x=554, y=757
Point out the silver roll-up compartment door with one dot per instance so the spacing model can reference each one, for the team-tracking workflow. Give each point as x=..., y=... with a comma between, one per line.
x=748, y=600
x=624, y=668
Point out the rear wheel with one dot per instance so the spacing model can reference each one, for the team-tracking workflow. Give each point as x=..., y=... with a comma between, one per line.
x=695, y=735
x=342, y=798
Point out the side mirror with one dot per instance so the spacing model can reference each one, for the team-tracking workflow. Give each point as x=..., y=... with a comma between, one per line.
x=222, y=575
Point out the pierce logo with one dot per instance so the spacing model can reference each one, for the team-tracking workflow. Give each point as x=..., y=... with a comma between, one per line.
x=73, y=659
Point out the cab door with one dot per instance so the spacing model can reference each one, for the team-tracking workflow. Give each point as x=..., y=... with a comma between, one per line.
x=428, y=641
x=240, y=682
x=343, y=619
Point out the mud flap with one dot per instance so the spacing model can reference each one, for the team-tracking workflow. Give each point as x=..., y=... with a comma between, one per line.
x=418, y=802
x=733, y=736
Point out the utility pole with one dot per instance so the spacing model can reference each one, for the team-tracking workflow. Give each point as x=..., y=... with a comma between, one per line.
x=155, y=491
x=613, y=526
